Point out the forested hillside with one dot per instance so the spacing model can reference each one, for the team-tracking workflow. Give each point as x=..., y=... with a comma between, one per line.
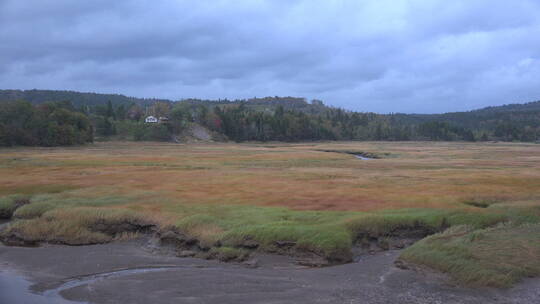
x=278, y=119
x=46, y=124
x=519, y=122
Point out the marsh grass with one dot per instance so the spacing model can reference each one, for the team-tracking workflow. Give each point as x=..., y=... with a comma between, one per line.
x=232, y=224
x=69, y=199
x=320, y=202
x=330, y=234
x=385, y=222
x=499, y=256
x=34, y=189
x=77, y=226
x=9, y=204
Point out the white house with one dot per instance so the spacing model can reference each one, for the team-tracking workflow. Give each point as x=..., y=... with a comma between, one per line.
x=151, y=119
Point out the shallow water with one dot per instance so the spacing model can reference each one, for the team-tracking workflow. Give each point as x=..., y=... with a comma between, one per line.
x=76, y=282
x=363, y=158
x=15, y=289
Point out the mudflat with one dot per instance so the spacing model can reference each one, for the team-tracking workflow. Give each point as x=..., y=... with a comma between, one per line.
x=127, y=272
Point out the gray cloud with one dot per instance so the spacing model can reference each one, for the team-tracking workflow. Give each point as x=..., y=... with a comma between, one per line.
x=371, y=55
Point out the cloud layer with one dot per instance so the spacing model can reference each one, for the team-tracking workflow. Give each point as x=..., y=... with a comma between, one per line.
x=372, y=55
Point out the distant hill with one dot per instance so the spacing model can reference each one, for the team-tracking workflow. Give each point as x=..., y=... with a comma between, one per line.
x=515, y=107
x=78, y=99
x=485, y=118
x=291, y=103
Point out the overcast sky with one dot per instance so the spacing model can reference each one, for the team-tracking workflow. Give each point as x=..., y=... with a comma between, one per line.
x=420, y=56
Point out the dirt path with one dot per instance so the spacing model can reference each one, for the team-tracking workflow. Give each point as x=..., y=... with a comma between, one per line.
x=127, y=273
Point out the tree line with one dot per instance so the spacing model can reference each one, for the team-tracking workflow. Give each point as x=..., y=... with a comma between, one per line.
x=258, y=119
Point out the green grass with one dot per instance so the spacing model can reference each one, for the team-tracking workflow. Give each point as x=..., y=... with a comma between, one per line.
x=45, y=202
x=323, y=232
x=384, y=222
x=496, y=246
x=330, y=234
x=499, y=256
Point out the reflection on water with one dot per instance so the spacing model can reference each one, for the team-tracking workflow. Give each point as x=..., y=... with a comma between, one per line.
x=14, y=289
x=96, y=277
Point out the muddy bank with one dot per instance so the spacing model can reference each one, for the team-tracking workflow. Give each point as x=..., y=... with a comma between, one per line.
x=108, y=274
x=173, y=241
x=170, y=240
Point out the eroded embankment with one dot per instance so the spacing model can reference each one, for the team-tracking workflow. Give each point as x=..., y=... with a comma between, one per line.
x=95, y=230
x=34, y=223
x=398, y=238
x=86, y=226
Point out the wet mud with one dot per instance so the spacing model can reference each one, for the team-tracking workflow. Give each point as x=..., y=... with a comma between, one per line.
x=128, y=272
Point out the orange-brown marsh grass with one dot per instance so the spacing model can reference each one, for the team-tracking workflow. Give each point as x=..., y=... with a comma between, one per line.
x=417, y=174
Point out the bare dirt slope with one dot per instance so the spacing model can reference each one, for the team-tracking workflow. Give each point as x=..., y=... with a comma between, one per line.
x=197, y=133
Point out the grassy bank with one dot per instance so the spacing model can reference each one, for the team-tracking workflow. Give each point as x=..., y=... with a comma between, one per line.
x=76, y=226
x=499, y=256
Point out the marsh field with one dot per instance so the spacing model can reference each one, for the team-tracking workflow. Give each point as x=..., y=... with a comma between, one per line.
x=468, y=210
